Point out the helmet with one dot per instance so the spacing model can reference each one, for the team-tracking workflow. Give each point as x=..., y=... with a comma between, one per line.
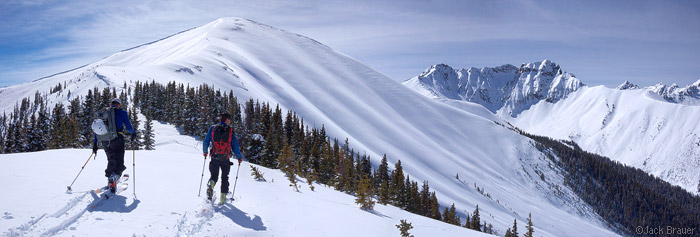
x=99, y=127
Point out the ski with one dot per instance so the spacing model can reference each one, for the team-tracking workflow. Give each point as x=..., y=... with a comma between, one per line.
x=122, y=180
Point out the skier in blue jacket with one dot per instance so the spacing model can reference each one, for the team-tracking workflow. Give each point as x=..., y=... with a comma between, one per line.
x=224, y=144
x=115, y=147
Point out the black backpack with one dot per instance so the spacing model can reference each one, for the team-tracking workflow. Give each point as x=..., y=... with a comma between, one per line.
x=221, y=137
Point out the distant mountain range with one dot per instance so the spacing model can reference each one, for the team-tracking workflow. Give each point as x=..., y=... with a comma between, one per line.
x=656, y=128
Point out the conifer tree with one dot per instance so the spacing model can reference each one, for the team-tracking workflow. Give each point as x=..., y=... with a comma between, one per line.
x=136, y=124
x=3, y=132
x=435, y=207
x=293, y=181
x=364, y=194
x=425, y=199
x=455, y=218
x=33, y=135
x=383, y=171
x=476, y=219
x=385, y=193
x=447, y=216
x=530, y=230
x=74, y=120
x=42, y=127
x=88, y=110
x=9, y=146
x=404, y=227
x=148, y=136
x=514, y=229
x=285, y=158
x=398, y=189
x=191, y=113
x=488, y=228
x=467, y=223
x=57, y=132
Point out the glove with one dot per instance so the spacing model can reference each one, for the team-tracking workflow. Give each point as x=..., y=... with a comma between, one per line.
x=94, y=148
x=133, y=137
x=205, y=155
x=239, y=161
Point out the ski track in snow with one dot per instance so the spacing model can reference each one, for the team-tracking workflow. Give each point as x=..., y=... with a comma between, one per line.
x=67, y=216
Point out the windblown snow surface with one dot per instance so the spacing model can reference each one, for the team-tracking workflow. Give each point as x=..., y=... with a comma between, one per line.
x=434, y=140
x=637, y=127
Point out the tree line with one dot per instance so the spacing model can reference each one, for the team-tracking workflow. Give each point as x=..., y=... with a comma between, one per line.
x=624, y=196
x=33, y=126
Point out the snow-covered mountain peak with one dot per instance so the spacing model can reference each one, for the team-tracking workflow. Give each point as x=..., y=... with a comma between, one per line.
x=545, y=66
x=506, y=88
x=627, y=85
x=688, y=95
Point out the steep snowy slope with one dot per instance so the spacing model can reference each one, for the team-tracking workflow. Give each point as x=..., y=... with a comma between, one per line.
x=505, y=88
x=434, y=141
x=34, y=203
x=637, y=127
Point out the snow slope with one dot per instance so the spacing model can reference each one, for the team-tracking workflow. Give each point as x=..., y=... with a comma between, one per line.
x=34, y=203
x=435, y=141
x=637, y=127
x=506, y=88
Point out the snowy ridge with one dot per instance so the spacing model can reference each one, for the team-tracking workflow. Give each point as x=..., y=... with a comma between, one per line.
x=506, y=88
x=689, y=95
x=634, y=127
x=354, y=101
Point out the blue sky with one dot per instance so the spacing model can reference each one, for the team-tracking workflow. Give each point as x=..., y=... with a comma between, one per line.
x=601, y=42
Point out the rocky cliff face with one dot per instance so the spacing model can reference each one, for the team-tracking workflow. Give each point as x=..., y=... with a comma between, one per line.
x=507, y=88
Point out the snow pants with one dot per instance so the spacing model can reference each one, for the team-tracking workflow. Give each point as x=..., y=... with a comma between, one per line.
x=115, y=156
x=225, y=166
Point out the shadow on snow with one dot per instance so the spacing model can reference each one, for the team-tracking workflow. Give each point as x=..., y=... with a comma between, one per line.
x=241, y=218
x=114, y=204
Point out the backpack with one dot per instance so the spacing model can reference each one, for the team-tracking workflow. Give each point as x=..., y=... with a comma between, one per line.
x=104, y=125
x=221, y=137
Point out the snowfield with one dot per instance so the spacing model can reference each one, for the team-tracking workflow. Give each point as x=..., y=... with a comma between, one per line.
x=636, y=127
x=434, y=140
x=34, y=202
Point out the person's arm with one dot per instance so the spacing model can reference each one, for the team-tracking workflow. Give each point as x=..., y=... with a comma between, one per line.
x=127, y=122
x=236, y=148
x=207, y=140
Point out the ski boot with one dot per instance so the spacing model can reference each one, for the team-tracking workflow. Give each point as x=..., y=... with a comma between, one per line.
x=113, y=179
x=222, y=199
x=210, y=189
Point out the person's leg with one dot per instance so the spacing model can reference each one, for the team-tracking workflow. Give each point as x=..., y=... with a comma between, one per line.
x=213, y=170
x=110, y=158
x=119, y=156
x=225, y=169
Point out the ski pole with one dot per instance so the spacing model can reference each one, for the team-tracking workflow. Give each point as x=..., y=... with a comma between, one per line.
x=202, y=178
x=236, y=182
x=133, y=162
x=81, y=170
